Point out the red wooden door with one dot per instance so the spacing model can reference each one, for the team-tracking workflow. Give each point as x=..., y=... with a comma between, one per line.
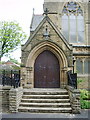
x=46, y=71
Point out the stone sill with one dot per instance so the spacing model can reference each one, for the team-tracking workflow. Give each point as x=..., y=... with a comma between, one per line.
x=83, y=75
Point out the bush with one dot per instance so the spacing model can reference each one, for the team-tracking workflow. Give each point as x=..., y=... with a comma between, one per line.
x=80, y=81
x=85, y=104
x=85, y=94
x=85, y=99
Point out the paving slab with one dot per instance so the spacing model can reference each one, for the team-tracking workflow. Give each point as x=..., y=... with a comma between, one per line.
x=84, y=114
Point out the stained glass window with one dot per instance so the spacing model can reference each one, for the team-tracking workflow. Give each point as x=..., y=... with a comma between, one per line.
x=73, y=23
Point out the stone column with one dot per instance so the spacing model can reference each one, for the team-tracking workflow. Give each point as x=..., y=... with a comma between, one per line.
x=23, y=76
x=64, y=77
x=29, y=78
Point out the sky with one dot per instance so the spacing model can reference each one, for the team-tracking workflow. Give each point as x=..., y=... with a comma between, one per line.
x=20, y=11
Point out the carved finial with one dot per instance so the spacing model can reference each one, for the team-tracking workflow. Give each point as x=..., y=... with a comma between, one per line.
x=46, y=11
x=33, y=11
x=46, y=33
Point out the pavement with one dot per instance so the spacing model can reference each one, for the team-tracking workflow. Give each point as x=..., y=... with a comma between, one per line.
x=85, y=115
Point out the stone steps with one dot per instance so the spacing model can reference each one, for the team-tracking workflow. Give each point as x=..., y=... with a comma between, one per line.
x=45, y=101
x=45, y=93
x=44, y=110
x=46, y=96
x=45, y=104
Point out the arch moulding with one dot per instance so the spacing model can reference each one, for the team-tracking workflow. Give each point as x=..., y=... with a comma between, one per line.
x=57, y=51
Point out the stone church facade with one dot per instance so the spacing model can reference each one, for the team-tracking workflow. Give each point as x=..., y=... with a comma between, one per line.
x=58, y=37
x=59, y=42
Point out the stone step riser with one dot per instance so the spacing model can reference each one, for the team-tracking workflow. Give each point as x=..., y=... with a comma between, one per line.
x=45, y=101
x=46, y=97
x=45, y=93
x=52, y=106
x=45, y=111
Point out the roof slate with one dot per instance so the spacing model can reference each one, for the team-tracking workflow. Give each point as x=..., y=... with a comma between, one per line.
x=36, y=21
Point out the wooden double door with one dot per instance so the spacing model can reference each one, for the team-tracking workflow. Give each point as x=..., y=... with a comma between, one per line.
x=46, y=71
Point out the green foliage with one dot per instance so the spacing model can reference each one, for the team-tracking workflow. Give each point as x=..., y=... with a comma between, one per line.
x=85, y=99
x=14, y=61
x=85, y=94
x=85, y=104
x=11, y=35
x=80, y=81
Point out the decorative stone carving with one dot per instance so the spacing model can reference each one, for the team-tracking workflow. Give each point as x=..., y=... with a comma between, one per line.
x=46, y=33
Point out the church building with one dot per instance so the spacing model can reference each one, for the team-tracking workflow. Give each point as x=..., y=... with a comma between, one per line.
x=59, y=42
x=54, y=59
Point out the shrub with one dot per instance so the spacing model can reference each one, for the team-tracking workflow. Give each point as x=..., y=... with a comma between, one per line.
x=85, y=99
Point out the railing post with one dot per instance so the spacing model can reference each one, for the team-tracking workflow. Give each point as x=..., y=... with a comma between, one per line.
x=19, y=78
x=11, y=78
x=3, y=78
x=14, y=80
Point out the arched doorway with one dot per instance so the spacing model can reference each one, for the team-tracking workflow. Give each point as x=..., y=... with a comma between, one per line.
x=46, y=71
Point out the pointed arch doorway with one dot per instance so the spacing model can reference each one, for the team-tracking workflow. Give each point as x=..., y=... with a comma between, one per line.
x=46, y=71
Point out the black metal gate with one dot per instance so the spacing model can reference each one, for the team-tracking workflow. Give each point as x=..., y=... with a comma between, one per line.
x=11, y=78
x=72, y=79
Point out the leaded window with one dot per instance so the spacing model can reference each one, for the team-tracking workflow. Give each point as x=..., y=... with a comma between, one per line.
x=79, y=66
x=87, y=66
x=73, y=23
x=83, y=65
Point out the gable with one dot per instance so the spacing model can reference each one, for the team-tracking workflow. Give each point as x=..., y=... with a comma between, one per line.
x=54, y=36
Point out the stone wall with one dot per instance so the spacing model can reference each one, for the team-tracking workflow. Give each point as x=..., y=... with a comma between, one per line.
x=83, y=82
x=15, y=96
x=74, y=95
x=10, y=98
x=4, y=98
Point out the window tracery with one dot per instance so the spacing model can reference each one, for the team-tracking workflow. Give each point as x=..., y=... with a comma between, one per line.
x=73, y=23
x=83, y=65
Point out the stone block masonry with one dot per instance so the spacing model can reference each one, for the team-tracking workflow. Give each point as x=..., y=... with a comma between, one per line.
x=4, y=98
x=74, y=95
x=15, y=96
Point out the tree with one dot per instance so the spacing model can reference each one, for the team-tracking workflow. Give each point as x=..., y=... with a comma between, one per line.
x=14, y=61
x=11, y=35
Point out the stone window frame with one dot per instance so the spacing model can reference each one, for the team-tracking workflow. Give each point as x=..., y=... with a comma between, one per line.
x=84, y=59
x=66, y=11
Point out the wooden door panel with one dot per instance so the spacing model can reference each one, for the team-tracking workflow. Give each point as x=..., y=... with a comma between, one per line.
x=46, y=71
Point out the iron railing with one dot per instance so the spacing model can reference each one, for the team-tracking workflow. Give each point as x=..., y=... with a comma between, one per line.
x=72, y=79
x=10, y=78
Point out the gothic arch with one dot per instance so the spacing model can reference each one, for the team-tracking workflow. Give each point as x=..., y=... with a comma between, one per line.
x=55, y=50
x=72, y=1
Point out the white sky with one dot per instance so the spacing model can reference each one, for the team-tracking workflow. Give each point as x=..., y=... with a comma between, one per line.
x=20, y=11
